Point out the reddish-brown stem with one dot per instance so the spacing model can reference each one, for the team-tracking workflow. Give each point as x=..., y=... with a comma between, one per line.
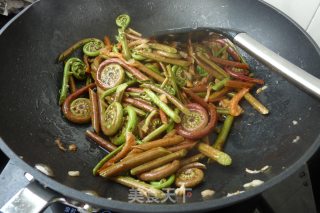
x=184, y=145
x=228, y=62
x=199, y=88
x=203, y=132
x=243, y=77
x=66, y=105
x=163, y=117
x=238, y=84
x=218, y=95
x=86, y=61
x=130, y=142
x=140, y=104
x=134, y=89
x=161, y=172
x=196, y=98
x=234, y=109
x=230, y=50
x=72, y=84
x=100, y=141
x=107, y=42
x=95, y=119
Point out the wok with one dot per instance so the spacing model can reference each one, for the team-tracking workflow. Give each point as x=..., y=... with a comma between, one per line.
x=31, y=119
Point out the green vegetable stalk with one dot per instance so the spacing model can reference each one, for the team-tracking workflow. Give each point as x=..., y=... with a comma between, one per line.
x=219, y=85
x=123, y=21
x=173, y=82
x=75, y=67
x=163, y=183
x=114, y=89
x=105, y=159
x=75, y=46
x=173, y=99
x=214, y=154
x=145, y=188
x=212, y=64
x=218, y=144
x=130, y=126
x=158, y=162
x=120, y=91
x=175, y=117
x=155, y=133
x=146, y=124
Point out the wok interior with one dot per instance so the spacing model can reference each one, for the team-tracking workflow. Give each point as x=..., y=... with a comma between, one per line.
x=30, y=80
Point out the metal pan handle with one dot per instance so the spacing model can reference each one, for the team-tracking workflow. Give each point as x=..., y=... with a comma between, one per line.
x=299, y=76
x=33, y=198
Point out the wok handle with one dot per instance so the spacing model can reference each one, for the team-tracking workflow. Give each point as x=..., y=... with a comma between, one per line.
x=33, y=198
x=292, y=72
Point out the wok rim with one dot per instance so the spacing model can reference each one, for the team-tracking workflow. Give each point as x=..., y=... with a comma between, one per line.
x=115, y=205
x=205, y=205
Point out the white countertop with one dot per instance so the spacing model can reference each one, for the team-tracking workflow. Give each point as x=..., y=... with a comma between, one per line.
x=305, y=13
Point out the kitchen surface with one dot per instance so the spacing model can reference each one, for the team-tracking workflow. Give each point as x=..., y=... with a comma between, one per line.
x=304, y=13
x=299, y=193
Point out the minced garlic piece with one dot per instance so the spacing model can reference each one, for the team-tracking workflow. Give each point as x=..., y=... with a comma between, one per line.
x=74, y=173
x=261, y=89
x=253, y=183
x=263, y=169
x=207, y=193
x=234, y=193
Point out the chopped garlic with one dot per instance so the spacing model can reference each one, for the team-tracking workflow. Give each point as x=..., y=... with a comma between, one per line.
x=253, y=183
x=60, y=144
x=74, y=173
x=261, y=89
x=72, y=148
x=263, y=169
x=234, y=193
x=297, y=138
x=44, y=169
x=207, y=193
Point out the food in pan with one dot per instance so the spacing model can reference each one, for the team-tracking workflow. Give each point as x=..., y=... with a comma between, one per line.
x=152, y=105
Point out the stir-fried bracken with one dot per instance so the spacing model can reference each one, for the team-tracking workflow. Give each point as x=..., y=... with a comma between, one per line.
x=152, y=105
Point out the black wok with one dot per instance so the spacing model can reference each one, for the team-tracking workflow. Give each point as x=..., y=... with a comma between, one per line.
x=30, y=80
